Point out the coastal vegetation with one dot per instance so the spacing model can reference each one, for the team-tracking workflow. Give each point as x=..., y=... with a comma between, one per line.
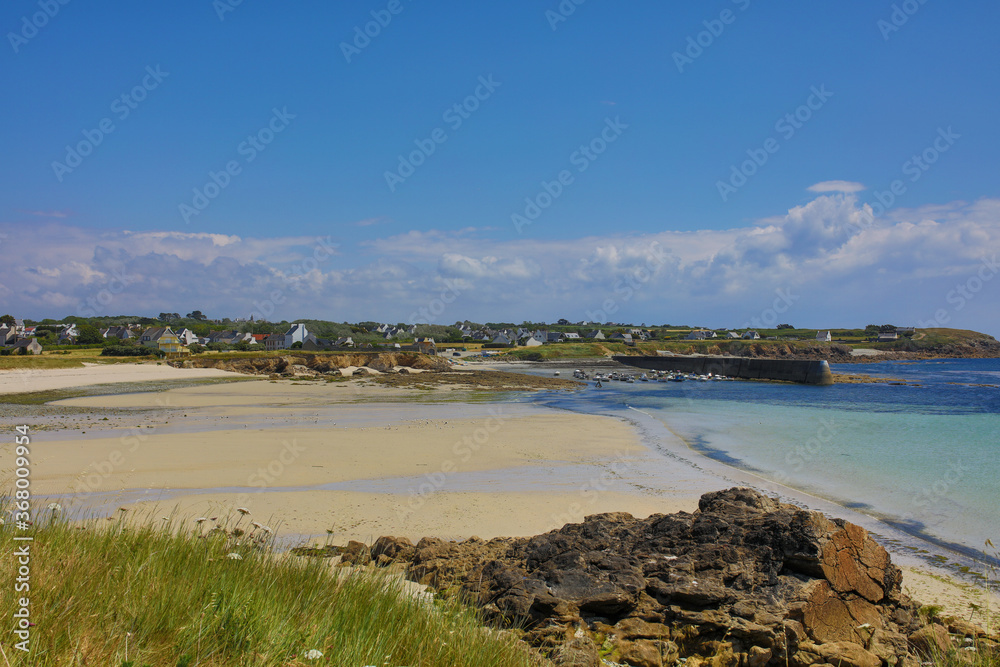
x=128, y=595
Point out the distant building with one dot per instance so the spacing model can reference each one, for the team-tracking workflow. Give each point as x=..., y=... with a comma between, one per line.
x=296, y=334
x=426, y=345
x=888, y=337
x=274, y=342
x=27, y=346
x=163, y=339
x=751, y=335
x=623, y=337
x=187, y=337
x=824, y=336
x=8, y=335
x=596, y=334
x=119, y=333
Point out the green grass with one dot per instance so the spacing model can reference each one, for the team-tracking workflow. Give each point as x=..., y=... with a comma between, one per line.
x=105, y=592
x=59, y=359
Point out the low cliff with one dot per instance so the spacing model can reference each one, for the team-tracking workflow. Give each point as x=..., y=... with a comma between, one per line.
x=296, y=362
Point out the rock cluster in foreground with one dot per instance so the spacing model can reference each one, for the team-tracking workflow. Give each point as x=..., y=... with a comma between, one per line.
x=744, y=581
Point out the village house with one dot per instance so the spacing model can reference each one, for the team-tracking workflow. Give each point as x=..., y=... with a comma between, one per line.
x=296, y=334
x=751, y=335
x=8, y=336
x=27, y=346
x=824, y=336
x=596, y=334
x=274, y=342
x=68, y=334
x=623, y=337
x=118, y=333
x=186, y=336
x=163, y=339
x=314, y=344
x=888, y=336
x=426, y=345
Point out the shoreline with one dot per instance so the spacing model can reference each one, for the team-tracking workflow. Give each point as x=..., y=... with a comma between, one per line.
x=633, y=483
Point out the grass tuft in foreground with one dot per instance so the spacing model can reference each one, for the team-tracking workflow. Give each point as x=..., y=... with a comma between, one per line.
x=111, y=594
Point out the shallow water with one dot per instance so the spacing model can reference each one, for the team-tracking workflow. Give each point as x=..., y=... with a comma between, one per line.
x=923, y=458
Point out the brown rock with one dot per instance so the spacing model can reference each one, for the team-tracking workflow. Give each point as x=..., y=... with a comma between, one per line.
x=758, y=656
x=647, y=653
x=577, y=652
x=962, y=627
x=891, y=647
x=636, y=628
x=843, y=567
x=355, y=553
x=392, y=547
x=829, y=617
x=930, y=640
x=848, y=654
x=806, y=655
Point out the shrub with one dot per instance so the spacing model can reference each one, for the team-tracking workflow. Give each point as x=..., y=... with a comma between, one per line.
x=131, y=351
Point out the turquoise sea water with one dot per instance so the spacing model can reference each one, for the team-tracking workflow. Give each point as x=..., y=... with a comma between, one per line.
x=923, y=458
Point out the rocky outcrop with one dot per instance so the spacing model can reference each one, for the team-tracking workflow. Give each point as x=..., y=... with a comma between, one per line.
x=306, y=365
x=744, y=581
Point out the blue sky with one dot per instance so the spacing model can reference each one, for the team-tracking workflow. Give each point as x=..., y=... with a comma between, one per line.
x=640, y=228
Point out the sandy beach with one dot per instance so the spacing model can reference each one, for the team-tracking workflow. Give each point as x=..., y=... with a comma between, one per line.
x=22, y=380
x=351, y=460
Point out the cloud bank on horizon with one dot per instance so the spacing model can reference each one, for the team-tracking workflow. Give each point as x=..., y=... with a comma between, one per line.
x=826, y=263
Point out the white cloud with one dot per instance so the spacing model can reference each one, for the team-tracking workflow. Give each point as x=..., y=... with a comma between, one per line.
x=848, y=187
x=842, y=266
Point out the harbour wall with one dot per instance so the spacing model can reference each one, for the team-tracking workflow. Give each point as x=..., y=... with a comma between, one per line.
x=787, y=370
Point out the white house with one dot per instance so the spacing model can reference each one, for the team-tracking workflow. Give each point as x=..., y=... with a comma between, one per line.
x=751, y=335
x=296, y=334
x=187, y=336
x=824, y=336
x=532, y=341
